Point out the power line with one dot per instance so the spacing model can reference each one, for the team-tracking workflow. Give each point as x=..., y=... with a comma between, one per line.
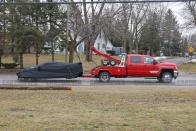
x=97, y=2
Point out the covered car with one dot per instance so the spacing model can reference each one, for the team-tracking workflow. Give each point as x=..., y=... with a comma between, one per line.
x=52, y=70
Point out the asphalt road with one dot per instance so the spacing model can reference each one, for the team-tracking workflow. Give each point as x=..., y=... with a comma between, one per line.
x=178, y=60
x=184, y=79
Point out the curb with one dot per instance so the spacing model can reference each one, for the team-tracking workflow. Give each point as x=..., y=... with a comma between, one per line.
x=22, y=87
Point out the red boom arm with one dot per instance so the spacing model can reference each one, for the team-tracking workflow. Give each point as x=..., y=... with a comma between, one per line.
x=104, y=55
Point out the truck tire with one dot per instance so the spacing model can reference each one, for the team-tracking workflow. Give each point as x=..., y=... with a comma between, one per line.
x=104, y=76
x=166, y=77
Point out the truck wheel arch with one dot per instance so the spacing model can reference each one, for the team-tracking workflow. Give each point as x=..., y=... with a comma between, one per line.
x=103, y=71
x=167, y=70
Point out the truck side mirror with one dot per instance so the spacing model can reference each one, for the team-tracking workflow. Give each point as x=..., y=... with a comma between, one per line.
x=155, y=62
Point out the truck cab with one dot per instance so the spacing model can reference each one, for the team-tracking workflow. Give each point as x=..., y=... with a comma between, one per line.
x=136, y=65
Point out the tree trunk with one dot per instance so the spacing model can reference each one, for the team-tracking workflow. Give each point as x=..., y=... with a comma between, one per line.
x=37, y=58
x=71, y=53
x=88, y=52
x=125, y=45
x=52, y=51
x=29, y=50
x=169, y=48
x=87, y=42
x=136, y=40
x=66, y=54
x=36, y=44
x=130, y=46
x=0, y=61
x=36, y=55
x=1, y=54
x=21, y=61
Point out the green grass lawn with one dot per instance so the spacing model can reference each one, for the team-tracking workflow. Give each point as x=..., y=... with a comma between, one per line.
x=99, y=108
x=189, y=67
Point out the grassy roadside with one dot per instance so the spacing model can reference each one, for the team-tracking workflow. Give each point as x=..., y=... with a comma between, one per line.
x=99, y=108
x=188, y=67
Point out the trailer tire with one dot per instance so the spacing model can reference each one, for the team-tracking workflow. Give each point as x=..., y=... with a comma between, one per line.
x=104, y=76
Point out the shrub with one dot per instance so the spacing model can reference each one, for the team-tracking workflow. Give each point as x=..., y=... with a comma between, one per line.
x=9, y=65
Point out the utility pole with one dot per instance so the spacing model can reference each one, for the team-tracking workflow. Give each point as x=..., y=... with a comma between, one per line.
x=51, y=28
x=4, y=35
x=67, y=33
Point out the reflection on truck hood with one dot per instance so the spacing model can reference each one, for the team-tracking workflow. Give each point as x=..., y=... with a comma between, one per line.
x=167, y=64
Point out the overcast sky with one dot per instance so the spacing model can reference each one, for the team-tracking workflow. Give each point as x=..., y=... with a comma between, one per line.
x=178, y=10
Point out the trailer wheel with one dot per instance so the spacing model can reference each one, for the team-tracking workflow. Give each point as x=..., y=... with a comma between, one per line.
x=104, y=76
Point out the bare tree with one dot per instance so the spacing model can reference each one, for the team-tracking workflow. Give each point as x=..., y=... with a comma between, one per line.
x=191, y=10
x=91, y=22
x=138, y=18
x=78, y=31
x=83, y=24
x=125, y=24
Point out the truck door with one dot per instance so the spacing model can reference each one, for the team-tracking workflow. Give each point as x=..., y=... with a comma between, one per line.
x=135, y=66
x=150, y=68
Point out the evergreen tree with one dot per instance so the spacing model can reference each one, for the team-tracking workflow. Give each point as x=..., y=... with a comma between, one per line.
x=2, y=29
x=171, y=35
x=150, y=35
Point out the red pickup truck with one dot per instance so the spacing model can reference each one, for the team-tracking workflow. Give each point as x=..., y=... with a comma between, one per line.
x=136, y=65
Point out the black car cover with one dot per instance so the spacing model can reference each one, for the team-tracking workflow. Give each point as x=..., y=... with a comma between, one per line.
x=53, y=70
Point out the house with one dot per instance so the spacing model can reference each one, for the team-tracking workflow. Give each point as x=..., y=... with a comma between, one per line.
x=59, y=50
x=102, y=43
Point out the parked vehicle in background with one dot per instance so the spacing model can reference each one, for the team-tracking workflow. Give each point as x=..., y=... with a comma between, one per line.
x=116, y=51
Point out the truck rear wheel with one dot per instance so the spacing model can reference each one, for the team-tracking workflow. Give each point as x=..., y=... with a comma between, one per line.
x=104, y=76
x=166, y=77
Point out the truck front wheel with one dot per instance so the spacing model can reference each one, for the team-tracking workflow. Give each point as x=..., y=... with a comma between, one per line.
x=104, y=76
x=166, y=77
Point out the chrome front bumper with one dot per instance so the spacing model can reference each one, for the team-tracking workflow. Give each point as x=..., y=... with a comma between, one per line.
x=176, y=73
